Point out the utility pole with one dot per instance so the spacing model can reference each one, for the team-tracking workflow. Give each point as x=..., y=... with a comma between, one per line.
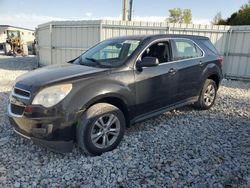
x=130, y=10
x=124, y=10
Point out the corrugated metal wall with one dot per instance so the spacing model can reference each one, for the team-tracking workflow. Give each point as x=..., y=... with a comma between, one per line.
x=62, y=41
x=217, y=34
x=43, y=36
x=238, y=59
x=59, y=42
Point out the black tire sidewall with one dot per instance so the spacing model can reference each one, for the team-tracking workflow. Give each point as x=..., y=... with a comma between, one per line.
x=86, y=123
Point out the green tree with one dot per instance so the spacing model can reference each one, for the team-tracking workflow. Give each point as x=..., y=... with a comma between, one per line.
x=176, y=15
x=187, y=16
x=241, y=17
x=247, y=5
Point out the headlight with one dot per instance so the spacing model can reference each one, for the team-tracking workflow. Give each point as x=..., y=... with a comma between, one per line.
x=50, y=96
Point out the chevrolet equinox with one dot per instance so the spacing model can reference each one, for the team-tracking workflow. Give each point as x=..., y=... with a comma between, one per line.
x=118, y=82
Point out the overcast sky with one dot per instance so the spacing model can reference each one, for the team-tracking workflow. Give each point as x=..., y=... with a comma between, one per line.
x=30, y=13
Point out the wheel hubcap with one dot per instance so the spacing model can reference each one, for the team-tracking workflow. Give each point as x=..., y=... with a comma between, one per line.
x=105, y=131
x=209, y=95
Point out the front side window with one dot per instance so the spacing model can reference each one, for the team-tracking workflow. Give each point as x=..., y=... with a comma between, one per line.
x=185, y=49
x=160, y=50
x=109, y=53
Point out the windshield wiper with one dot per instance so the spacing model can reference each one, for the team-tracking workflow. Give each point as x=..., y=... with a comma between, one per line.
x=95, y=61
x=92, y=59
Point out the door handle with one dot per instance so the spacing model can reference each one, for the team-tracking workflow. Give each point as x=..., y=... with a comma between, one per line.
x=172, y=71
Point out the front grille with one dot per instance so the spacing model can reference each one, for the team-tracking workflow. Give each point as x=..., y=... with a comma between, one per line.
x=15, y=109
x=21, y=93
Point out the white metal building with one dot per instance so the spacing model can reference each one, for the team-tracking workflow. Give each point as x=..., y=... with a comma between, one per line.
x=61, y=41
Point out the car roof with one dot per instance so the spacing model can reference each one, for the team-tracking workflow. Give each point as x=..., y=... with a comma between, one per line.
x=160, y=36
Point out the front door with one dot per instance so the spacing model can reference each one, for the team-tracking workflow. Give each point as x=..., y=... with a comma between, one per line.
x=156, y=86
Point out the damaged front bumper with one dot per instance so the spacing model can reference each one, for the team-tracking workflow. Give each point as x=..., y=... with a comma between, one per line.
x=54, y=133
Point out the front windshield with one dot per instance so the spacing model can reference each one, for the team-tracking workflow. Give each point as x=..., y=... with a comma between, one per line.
x=109, y=53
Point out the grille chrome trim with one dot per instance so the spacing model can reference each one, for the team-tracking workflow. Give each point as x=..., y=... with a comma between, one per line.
x=17, y=109
x=18, y=95
x=10, y=113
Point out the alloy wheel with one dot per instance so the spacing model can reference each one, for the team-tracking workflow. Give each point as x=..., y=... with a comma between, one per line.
x=105, y=131
x=209, y=95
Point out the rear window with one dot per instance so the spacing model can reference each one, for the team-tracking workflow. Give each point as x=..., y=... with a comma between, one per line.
x=209, y=45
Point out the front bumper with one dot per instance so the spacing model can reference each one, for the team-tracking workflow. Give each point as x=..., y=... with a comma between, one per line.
x=54, y=133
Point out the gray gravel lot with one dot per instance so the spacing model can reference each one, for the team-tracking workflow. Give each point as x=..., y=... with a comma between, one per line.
x=182, y=148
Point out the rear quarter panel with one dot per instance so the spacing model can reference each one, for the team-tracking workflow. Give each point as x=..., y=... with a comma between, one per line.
x=211, y=65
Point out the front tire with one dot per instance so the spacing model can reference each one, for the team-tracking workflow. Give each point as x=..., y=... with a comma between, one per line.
x=208, y=95
x=100, y=129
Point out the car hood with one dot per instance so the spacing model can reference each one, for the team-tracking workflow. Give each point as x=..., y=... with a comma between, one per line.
x=54, y=74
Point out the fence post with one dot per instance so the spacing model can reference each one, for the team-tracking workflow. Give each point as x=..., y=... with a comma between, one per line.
x=100, y=34
x=51, y=47
x=36, y=48
x=168, y=30
x=227, y=53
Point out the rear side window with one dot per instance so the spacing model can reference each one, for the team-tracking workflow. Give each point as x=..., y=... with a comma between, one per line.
x=209, y=45
x=185, y=49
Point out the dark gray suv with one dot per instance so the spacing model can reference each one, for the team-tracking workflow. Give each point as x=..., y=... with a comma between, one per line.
x=118, y=82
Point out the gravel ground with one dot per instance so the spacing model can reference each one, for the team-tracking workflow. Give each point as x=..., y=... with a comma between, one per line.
x=182, y=148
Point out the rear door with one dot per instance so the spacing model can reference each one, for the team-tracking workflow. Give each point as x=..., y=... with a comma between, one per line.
x=189, y=58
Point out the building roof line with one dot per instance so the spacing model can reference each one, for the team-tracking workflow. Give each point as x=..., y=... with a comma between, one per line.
x=16, y=27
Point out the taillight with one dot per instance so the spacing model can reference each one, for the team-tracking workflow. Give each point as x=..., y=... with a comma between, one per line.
x=220, y=60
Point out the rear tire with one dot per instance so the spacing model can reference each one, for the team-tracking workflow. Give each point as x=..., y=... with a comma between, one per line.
x=100, y=129
x=207, y=96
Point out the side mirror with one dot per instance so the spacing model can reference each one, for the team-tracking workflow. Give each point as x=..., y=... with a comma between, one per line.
x=148, y=62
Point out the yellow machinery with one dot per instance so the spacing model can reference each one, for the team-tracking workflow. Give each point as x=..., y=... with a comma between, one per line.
x=16, y=45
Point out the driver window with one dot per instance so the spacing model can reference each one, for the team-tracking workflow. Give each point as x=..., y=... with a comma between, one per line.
x=160, y=50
